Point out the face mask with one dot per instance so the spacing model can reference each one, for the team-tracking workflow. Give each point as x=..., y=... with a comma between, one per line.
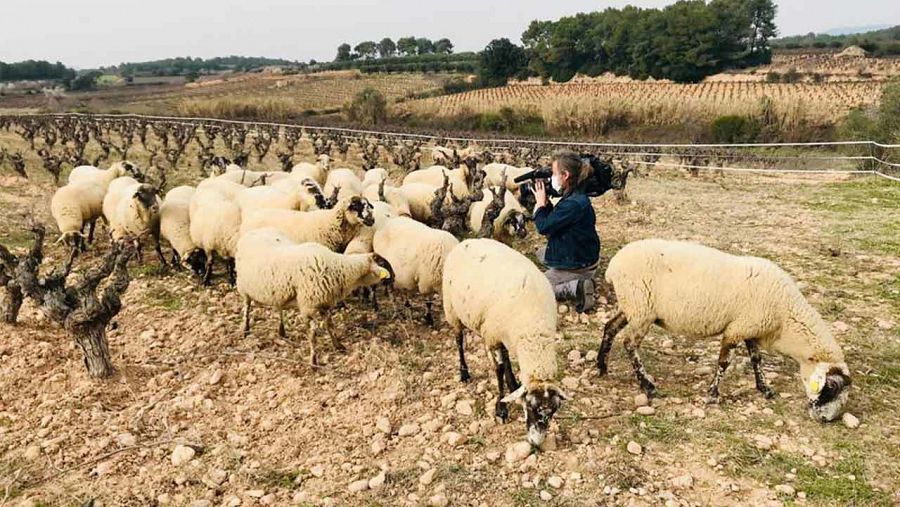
x=555, y=183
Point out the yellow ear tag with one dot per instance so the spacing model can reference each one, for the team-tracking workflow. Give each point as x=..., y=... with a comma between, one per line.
x=814, y=386
x=383, y=274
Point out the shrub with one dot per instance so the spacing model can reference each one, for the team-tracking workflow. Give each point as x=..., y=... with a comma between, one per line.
x=369, y=107
x=734, y=129
x=773, y=77
x=791, y=76
x=457, y=85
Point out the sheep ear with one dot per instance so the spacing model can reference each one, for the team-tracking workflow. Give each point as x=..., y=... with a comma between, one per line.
x=562, y=395
x=515, y=395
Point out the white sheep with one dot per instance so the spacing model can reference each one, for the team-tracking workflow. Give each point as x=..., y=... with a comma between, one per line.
x=494, y=175
x=374, y=177
x=391, y=195
x=175, y=227
x=317, y=172
x=693, y=290
x=215, y=224
x=91, y=174
x=419, y=197
x=499, y=294
x=416, y=252
x=74, y=206
x=508, y=225
x=461, y=179
x=343, y=181
x=274, y=271
x=227, y=188
x=131, y=209
x=285, y=194
x=334, y=228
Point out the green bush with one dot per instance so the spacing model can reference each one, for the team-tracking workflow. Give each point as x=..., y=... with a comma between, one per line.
x=773, y=77
x=735, y=129
x=369, y=107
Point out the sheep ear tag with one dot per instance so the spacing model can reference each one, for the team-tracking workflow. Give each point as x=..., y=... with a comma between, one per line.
x=383, y=274
x=816, y=383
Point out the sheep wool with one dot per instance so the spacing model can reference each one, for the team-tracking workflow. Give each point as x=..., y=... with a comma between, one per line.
x=459, y=178
x=415, y=251
x=333, y=228
x=132, y=210
x=494, y=174
x=91, y=174
x=276, y=272
x=362, y=242
x=510, y=222
x=347, y=182
x=498, y=293
x=317, y=172
x=175, y=223
x=215, y=223
x=75, y=205
x=698, y=291
x=393, y=196
x=419, y=196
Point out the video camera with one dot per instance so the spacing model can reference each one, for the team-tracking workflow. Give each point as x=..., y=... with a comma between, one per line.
x=596, y=184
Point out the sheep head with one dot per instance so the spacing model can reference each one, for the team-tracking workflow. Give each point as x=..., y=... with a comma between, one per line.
x=827, y=388
x=195, y=261
x=515, y=224
x=541, y=401
x=379, y=271
x=359, y=211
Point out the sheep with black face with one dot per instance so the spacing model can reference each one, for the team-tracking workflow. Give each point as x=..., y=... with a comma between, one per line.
x=484, y=283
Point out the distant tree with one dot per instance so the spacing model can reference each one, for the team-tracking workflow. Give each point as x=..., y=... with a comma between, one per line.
x=407, y=46
x=386, y=48
x=367, y=49
x=424, y=46
x=443, y=46
x=501, y=60
x=368, y=107
x=343, y=53
x=86, y=81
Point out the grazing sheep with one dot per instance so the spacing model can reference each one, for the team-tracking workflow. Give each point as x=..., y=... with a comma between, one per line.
x=274, y=271
x=334, y=228
x=249, y=178
x=343, y=181
x=494, y=174
x=499, y=294
x=391, y=195
x=416, y=252
x=462, y=179
x=215, y=224
x=91, y=174
x=510, y=221
x=75, y=205
x=317, y=172
x=175, y=227
x=420, y=197
x=228, y=189
x=374, y=177
x=693, y=290
x=285, y=194
x=132, y=212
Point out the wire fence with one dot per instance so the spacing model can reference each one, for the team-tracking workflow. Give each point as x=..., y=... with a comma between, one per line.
x=817, y=157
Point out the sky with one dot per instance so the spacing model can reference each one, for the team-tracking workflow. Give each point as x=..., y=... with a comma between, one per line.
x=92, y=33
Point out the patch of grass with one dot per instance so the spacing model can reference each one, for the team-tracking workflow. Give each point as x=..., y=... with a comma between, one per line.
x=143, y=270
x=278, y=478
x=166, y=299
x=527, y=497
x=657, y=428
x=867, y=212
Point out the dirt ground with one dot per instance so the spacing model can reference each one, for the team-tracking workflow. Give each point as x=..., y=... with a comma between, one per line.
x=388, y=423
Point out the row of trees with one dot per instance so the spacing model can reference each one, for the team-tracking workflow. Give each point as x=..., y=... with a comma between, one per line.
x=387, y=48
x=183, y=66
x=34, y=70
x=685, y=41
x=878, y=42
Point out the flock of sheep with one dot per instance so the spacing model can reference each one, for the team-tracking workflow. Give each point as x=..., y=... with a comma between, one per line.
x=308, y=238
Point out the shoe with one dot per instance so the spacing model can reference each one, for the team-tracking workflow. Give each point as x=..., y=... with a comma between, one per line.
x=584, y=296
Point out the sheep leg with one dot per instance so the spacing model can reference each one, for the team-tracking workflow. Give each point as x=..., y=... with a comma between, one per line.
x=511, y=381
x=159, y=255
x=612, y=328
x=176, y=260
x=331, y=334
x=633, y=333
x=93, y=224
x=429, y=318
x=501, y=412
x=232, y=274
x=281, y=332
x=724, y=360
x=311, y=336
x=246, y=316
x=207, y=272
x=461, y=346
x=755, y=361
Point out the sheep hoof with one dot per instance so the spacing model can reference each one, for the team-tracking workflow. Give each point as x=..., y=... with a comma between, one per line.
x=464, y=376
x=768, y=393
x=601, y=369
x=501, y=413
x=712, y=399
